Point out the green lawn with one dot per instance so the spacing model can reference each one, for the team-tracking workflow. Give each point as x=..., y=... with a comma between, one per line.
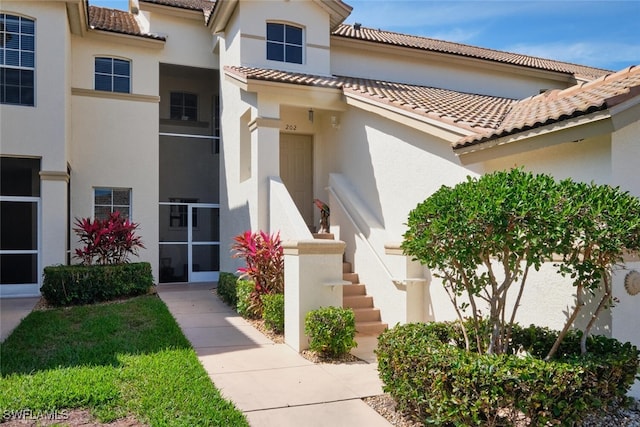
x=113, y=359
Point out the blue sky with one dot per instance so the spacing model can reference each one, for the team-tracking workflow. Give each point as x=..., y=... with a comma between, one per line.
x=601, y=33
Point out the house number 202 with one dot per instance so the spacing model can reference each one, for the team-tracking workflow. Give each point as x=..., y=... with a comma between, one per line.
x=290, y=127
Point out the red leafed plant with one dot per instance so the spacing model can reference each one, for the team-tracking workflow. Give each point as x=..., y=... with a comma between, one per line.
x=108, y=241
x=264, y=259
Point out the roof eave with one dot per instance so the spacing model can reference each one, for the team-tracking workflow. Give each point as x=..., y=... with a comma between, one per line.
x=338, y=11
x=308, y=96
x=222, y=12
x=570, y=130
x=77, y=14
x=128, y=39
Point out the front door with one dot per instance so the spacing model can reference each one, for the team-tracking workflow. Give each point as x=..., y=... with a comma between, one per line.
x=296, y=171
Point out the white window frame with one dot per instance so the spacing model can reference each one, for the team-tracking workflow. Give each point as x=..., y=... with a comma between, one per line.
x=24, y=64
x=111, y=205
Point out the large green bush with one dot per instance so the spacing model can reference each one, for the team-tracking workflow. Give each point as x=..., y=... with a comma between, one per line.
x=485, y=235
x=227, y=288
x=331, y=330
x=427, y=370
x=80, y=284
x=273, y=312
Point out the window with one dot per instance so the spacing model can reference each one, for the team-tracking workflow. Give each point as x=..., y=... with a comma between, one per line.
x=284, y=43
x=113, y=75
x=17, y=60
x=107, y=200
x=184, y=106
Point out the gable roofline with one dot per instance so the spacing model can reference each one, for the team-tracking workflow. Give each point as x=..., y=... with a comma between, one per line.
x=205, y=7
x=223, y=10
x=425, y=44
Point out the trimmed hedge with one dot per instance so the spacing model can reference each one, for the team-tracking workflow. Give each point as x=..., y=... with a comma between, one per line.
x=227, y=284
x=426, y=369
x=244, y=304
x=88, y=284
x=331, y=330
x=273, y=312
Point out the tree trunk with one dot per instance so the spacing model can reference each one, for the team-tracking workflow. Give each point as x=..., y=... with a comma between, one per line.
x=574, y=315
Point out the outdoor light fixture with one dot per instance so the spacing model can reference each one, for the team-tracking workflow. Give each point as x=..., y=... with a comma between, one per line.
x=335, y=123
x=311, y=115
x=632, y=282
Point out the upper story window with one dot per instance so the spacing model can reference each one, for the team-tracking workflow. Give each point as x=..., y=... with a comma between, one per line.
x=183, y=106
x=113, y=75
x=284, y=43
x=17, y=60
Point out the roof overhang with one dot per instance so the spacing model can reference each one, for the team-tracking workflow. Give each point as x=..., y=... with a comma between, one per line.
x=571, y=130
x=127, y=39
x=292, y=94
x=223, y=10
x=445, y=131
x=177, y=12
x=77, y=14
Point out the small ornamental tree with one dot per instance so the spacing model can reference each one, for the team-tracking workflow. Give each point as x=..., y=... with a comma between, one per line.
x=483, y=236
x=264, y=258
x=108, y=241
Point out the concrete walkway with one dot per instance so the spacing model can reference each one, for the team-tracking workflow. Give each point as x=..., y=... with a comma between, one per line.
x=271, y=383
x=12, y=311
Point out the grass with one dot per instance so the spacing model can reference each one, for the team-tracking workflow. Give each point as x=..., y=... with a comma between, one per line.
x=113, y=359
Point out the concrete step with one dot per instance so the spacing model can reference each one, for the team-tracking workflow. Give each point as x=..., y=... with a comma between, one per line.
x=370, y=328
x=367, y=314
x=357, y=301
x=353, y=290
x=347, y=267
x=351, y=277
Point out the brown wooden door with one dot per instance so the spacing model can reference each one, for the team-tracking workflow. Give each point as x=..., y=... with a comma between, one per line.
x=296, y=171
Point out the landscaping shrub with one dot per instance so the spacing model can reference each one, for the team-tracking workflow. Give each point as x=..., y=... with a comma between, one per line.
x=273, y=312
x=80, y=284
x=427, y=370
x=246, y=306
x=227, y=288
x=264, y=258
x=331, y=330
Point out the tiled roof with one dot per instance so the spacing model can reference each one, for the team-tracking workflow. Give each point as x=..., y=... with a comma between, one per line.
x=557, y=105
x=206, y=6
x=117, y=21
x=468, y=111
x=433, y=45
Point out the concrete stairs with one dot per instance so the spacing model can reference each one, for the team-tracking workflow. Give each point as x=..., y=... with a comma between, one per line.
x=354, y=296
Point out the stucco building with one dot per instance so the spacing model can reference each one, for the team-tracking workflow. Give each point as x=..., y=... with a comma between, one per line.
x=200, y=120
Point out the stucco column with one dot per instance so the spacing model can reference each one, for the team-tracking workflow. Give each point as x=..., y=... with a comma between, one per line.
x=54, y=218
x=414, y=279
x=265, y=161
x=312, y=279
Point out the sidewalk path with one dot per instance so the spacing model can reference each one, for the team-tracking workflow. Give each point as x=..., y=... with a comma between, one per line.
x=271, y=383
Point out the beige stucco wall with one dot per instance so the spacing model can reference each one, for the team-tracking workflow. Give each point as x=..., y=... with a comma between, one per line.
x=410, y=66
x=42, y=131
x=253, y=16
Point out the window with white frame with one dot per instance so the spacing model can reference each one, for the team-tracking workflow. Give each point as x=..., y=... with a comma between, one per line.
x=107, y=200
x=112, y=75
x=179, y=213
x=284, y=43
x=183, y=106
x=17, y=60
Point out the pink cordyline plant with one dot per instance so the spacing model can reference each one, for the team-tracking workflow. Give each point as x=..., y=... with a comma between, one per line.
x=264, y=258
x=108, y=241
